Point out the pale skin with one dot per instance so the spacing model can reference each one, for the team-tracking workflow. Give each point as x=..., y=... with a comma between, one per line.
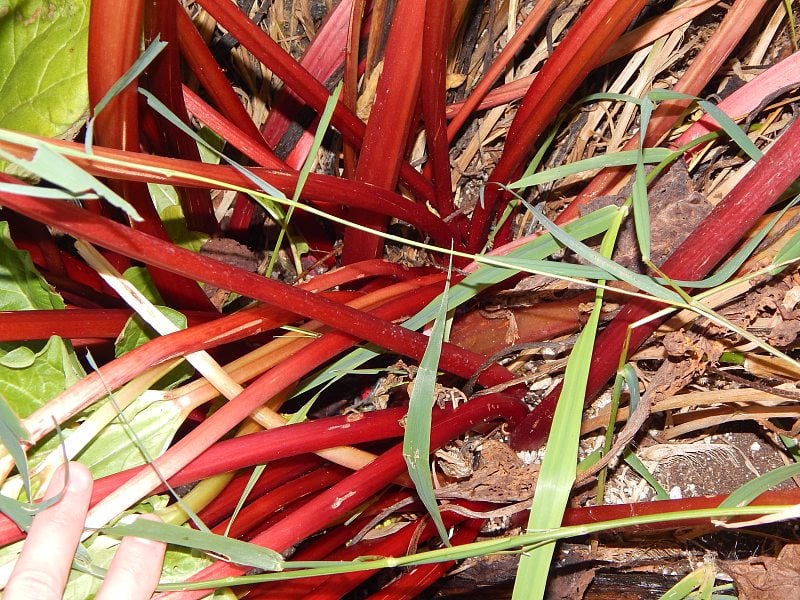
x=44, y=564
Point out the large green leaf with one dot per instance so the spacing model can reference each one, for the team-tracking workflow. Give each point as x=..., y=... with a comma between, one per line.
x=43, y=47
x=21, y=286
x=152, y=423
x=27, y=386
x=31, y=374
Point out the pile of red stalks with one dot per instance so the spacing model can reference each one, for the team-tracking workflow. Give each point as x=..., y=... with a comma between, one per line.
x=362, y=300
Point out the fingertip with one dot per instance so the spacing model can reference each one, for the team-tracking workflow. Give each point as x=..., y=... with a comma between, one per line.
x=80, y=477
x=79, y=480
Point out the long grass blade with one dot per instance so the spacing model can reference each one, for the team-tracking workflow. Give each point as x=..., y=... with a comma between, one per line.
x=416, y=441
x=558, y=470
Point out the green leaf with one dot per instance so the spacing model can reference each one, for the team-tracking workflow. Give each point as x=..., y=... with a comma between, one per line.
x=12, y=434
x=557, y=474
x=165, y=197
x=617, y=159
x=18, y=358
x=53, y=369
x=115, y=448
x=21, y=286
x=417, y=437
x=136, y=332
x=141, y=280
x=43, y=48
x=236, y=551
x=745, y=494
x=30, y=374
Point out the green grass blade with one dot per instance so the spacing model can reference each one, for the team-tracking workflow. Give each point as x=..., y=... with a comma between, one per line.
x=646, y=284
x=39, y=192
x=727, y=124
x=55, y=168
x=553, y=268
x=617, y=159
x=695, y=580
x=258, y=471
x=322, y=129
x=132, y=74
x=641, y=207
x=635, y=463
x=12, y=434
x=748, y=492
x=610, y=96
x=732, y=130
x=233, y=550
x=416, y=440
x=558, y=470
x=165, y=112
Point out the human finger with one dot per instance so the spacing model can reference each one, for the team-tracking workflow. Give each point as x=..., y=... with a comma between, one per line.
x=135, y=569
x=44, y=565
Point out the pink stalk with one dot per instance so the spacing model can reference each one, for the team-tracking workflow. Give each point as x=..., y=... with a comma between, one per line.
x=212, y=78
x=321, y=60
x=781, y=76
x=323, y=56
x=248, y=145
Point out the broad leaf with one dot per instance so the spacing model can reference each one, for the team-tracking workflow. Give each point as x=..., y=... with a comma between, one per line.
x=43, y=47
x=31, y=374
x=152, y=422
x=53, y=369
x=21, y=286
